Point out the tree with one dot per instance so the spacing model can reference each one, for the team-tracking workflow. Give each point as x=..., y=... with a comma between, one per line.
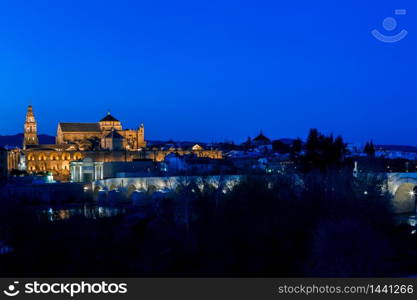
x=322, y=152
x=280, y=147
x=369, y=149
x=297, y=146
x=16, y=172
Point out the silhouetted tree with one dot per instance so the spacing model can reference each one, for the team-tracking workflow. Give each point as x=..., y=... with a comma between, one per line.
x=323, y=152
x=300, y=224
x=281, y=147
x=369, y=149
x=297, y=146
x=16, y=172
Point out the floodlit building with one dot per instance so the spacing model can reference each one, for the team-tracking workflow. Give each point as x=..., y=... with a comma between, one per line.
x=102, y=142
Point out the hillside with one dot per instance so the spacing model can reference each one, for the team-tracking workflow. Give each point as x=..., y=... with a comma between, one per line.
x=16, y=140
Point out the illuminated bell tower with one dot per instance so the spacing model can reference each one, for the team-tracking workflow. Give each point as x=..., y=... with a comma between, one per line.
x=31, y=132
x=141, y=136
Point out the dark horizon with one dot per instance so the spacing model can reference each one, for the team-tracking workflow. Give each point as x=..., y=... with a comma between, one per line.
x=272, y=137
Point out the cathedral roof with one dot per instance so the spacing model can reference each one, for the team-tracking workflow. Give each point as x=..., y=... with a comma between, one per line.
x=109, y=118
x=80, y=127
x=114, y=135
x=44, y=147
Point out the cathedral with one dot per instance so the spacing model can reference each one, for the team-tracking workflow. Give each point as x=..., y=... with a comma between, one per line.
x=104, y=141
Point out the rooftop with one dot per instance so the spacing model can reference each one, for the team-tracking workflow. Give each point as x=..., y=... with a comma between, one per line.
x=80, y=127
x=114, y=135
x=109, y=118
x=262, y=138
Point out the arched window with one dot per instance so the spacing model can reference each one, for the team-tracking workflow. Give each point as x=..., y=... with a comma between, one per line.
x=77, y=156
x=66, y=156
x=42, y=156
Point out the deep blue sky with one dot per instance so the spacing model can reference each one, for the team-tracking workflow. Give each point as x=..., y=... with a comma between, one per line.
x=211, y=70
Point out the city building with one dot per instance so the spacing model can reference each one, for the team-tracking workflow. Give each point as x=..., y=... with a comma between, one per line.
x=87, y=170
x=107, y=130
x=104, y=141
x=262, y=143
x=261, y=140
x=15, y=160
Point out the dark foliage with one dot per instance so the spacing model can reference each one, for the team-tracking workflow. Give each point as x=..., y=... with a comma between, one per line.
x=16, y=172
x=313, y=224
x=281, y=147
x=17, y=140
x=322, y=152
x=369, y=149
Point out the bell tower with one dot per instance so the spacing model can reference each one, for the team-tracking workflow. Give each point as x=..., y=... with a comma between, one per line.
x=141, y=136
x=31, y=132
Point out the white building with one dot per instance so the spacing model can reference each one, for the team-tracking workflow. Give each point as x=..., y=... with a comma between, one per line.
x=86, y=170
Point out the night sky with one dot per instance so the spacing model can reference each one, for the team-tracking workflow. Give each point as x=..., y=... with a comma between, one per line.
x=211, y=70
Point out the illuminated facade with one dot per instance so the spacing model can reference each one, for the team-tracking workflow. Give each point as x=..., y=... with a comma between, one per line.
x=106, y=133
x=104, y=141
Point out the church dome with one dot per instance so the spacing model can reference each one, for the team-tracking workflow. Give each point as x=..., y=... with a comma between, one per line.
x=109, y=118
x=262, y=138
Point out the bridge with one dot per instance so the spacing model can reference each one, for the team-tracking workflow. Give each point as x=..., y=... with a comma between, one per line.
x=403, y=188
x=130, y=185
